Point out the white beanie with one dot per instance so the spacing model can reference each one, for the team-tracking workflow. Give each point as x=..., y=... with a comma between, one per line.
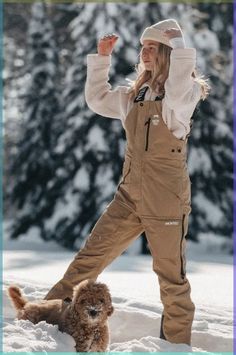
x=155, y=32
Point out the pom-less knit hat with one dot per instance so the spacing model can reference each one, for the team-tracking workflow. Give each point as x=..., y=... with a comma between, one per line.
x=156, y=32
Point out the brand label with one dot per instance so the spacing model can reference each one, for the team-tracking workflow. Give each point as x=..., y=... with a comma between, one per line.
x=155, y=120
x=172, y=223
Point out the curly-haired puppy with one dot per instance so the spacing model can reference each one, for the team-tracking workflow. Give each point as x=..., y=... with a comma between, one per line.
x=85, y=318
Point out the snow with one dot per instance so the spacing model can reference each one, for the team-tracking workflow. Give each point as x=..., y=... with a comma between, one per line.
x=198, y=159
x=131, y=54
x=35, y=266
x=81, y=179
x=65, y=208
x=222, y=129
x=96, y=139
x=206, y=39
x=103, y=176
x=211, y=211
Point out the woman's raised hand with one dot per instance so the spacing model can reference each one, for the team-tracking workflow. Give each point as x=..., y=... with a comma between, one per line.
x=106, y=44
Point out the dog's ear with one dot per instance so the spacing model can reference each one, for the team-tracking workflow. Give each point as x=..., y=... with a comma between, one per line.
x=77, y=289
x=110, y=310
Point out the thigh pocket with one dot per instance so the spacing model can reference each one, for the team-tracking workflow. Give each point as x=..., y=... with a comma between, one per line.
x=164, y=237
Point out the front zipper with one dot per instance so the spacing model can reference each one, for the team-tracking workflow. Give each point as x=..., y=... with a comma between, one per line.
x=147, y=132
x=181, y=256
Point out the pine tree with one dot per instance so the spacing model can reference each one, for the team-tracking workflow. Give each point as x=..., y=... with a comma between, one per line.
x=211, y=143
x=85, y=154
x=12, y=107
x=35, y=162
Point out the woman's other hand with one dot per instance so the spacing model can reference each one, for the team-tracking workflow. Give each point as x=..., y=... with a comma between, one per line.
x=172, y=33
x=106, y=44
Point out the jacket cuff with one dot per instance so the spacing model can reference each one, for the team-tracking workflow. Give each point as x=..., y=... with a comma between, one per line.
x=183, y=53
x=97, y=59
x=177, y=42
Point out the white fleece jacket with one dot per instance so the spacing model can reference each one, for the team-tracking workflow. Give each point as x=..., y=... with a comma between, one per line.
x=182, y=93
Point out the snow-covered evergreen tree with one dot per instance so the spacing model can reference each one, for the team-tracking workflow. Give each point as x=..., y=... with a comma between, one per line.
x=88, y=149
x=211, y=144
x=12, y=106
x=35, y=162
x=15, y=79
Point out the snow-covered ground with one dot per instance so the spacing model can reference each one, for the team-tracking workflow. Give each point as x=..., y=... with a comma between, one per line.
x=35, y=266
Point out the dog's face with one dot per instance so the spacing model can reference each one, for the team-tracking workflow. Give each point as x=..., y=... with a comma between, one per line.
x=92, y=301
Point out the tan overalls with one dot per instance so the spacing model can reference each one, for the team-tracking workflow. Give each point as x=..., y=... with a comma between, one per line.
x=152, y=196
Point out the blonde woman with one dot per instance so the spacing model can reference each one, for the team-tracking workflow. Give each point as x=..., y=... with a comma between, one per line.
x=154, y=193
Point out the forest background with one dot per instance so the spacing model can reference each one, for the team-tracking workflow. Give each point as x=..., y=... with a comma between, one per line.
x=62, y=162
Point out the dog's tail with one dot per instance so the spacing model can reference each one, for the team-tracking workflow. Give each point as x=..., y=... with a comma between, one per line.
x=17, y=298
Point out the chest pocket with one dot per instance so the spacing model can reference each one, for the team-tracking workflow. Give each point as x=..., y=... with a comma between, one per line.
x=150, y=129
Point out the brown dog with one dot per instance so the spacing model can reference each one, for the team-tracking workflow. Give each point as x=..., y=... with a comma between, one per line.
x=85, y=318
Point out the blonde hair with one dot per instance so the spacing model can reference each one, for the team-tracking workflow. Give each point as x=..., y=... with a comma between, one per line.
x=160, y=74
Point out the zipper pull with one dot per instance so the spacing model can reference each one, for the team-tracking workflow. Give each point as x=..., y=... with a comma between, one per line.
x=147, y=132
x=148, y=121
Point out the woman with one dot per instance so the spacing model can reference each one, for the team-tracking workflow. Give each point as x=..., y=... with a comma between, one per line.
x=154, y=192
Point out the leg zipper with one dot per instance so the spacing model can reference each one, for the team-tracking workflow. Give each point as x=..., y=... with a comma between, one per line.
x=181, y=246
x=147, y=132
x=162, y=335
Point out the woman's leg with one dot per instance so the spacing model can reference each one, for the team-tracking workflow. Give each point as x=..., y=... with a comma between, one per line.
x=114, y=231
x=166, y=239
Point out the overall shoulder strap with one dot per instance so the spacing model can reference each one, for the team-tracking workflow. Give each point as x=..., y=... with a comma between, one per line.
x=141, y=94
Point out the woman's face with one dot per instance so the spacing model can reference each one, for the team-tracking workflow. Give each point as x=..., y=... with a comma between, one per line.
x=148, y=53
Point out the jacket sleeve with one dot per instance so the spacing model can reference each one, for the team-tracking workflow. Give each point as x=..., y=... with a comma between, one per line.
x=182, y=92
x=99, y=95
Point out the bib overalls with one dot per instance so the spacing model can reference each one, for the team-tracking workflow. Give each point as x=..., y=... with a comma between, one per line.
x=152, y=196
